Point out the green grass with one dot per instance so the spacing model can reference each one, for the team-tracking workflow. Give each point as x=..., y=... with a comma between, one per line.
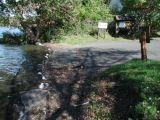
x=144, y=79
x=141, y=78
x=86, y=38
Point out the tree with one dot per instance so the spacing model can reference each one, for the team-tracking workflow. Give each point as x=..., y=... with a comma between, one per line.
x=40, y=19
x=144, y=10
x=43, y=20
x=89, y=12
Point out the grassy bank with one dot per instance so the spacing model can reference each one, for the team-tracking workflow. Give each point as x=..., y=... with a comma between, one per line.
x=129, y=91
x=86, y=38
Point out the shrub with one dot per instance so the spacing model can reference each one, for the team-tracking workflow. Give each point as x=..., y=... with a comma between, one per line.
x=12, y=38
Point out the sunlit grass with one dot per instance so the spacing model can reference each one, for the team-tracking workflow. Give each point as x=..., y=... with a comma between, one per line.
x=85, y=38
x=141, y=78
x=144, y=78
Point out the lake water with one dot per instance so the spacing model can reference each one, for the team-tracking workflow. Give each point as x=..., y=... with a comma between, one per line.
x=19, y=66
x=11, y=30
x=11, y=58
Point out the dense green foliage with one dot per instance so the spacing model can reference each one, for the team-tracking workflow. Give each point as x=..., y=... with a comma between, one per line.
x=41, y=20
x=88, y=13
x=142, y=79
x=144, y=10
x=13, y=39
x=53, y=18
x=45, y=20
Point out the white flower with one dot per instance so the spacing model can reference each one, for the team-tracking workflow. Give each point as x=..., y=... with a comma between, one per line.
x=39, y=73
x=148, y=107
x=150, y=98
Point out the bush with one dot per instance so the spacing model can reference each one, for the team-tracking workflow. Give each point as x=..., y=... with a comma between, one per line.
x=9, y=38
x=147, y=110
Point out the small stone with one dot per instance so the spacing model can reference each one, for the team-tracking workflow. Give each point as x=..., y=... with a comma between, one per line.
x=46, y=85
x=46, y=57
x=43, y=78
x=41, y=86
x=21, y=114
x=39, y=73
x=9, y=96
x=49, y=49
x=38, y=43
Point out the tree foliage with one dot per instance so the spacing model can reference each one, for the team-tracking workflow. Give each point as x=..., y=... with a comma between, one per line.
x=88, y=12
x=41, y=20
x=147, y=10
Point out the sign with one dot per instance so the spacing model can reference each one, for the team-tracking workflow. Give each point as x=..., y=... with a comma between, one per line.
x=122, y=25
x=102, y=25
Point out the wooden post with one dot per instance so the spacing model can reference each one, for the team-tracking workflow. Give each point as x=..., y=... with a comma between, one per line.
x=98, y=33
x=143, y=43
x=104, y=32
x=148, y=34
x=102, y=26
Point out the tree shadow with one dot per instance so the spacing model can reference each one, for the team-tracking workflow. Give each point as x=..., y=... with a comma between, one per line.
x=72, y=72
x=125, y=97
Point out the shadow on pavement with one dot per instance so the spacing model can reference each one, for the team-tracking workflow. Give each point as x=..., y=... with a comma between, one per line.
x=71, y=73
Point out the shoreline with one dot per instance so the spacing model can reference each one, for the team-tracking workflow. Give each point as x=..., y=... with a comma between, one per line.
x=54, y=46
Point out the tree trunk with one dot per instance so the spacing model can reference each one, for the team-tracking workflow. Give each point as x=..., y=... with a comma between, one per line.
x=143, y=45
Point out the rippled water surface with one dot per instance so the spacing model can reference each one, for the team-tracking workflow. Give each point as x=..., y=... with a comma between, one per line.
x=11, y=58
x=18, y=72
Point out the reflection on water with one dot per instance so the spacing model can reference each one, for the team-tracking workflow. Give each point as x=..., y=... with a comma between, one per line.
x=11, y=30
x=18, y=72
x=11, y=58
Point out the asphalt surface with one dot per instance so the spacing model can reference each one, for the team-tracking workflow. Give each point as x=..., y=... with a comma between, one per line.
x=153, y=48
x=71, y=71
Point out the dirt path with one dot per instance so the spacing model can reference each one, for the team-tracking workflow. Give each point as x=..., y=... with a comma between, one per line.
x=71, y=70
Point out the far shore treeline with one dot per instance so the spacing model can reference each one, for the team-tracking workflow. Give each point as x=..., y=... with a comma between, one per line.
x=50, y=20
